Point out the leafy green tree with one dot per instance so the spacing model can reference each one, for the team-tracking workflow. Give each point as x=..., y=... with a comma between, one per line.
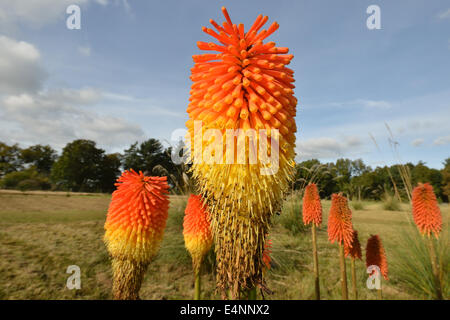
x=110, y=170
x=151, y=157
x=80, y=166
x=446, y=180
x=39, y=156
x=145, y=156
x=10, y=160
x=422, y=173
x=28, y=179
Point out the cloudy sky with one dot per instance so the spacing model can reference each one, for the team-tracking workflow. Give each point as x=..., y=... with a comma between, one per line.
x=124, y=76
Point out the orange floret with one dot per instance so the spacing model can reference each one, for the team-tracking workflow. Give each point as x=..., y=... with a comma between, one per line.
x=266, y=254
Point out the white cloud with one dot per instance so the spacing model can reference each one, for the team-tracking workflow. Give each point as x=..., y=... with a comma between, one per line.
x=39, y=13
x=444, y=14
x=417, y=142
x=34, y=13
x=442, y=141
x=56, y=116
x=326, y=147
x=84, y=51
x=59, y=116
x=151, y=108
x=20, y=67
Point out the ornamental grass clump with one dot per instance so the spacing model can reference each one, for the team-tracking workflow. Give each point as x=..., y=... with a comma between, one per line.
x=340, y=230
x=134, y=227
x=312, y=214
x=197, y=236
x=428, y=219
x=242, y=86
x=354, y=252
x=376, y=256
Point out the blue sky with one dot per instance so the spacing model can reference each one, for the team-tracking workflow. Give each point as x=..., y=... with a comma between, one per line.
x=125, y=75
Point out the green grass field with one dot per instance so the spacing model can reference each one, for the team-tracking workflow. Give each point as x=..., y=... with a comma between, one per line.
x=41, y=234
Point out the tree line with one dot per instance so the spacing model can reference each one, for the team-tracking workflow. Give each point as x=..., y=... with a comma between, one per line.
x=83, y=167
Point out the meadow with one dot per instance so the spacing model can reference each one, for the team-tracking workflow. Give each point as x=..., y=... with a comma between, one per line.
x=42, y=233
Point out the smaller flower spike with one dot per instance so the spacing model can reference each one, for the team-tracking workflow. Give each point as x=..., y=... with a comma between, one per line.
x=134, y=228
x=426, y=212
x=340, y=227
x=376, y=256
x=312, y=209
x=355, y=250
x=196, y=230
x=266, y=254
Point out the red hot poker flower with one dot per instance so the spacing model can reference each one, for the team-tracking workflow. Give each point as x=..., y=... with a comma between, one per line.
x=426, y=212
x=340, y=226
x=196, y=230
x=312, y=209
x=375, y=255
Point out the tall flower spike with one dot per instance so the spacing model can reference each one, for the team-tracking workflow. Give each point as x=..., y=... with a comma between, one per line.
x=376, y=256
x=196, y=231
x=426, y=212
x=242, y=83
x=340, y=227
x=312, y=209
x=354, y=250
x=134, y=228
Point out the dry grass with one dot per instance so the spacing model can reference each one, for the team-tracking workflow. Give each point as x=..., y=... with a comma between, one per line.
x=42, y=234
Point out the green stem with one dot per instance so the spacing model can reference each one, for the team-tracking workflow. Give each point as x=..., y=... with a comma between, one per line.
x=380, y=294
x=355, y=290
x=343, y=272
x=435, y=267
x=252, y=294
x=316, y=262
x=197, y=286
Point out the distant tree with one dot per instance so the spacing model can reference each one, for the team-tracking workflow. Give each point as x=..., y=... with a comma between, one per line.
x=10, y=160
x=323, y=174
x=80, y=166
x=27, y=179
x=145, y=156
x=41, y=157
x=422, y=173
x=446, y=180
x=110, y=170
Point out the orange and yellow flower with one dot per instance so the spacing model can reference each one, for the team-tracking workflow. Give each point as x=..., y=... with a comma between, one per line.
x=242, y=83
x=137, y=216
x=134, y=228
x=340, y=226
x=312, y=208
x=426, y=212
x=196, y=230
x=376, y=256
